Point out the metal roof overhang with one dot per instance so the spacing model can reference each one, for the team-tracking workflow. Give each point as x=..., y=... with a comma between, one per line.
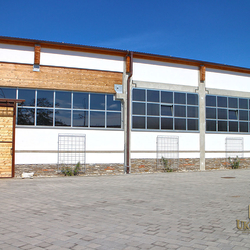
x=123, y=53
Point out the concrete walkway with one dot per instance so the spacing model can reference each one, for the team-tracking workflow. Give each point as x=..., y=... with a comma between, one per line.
x=194, y=210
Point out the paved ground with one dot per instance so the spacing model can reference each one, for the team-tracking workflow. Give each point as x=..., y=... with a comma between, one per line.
x=195, y=210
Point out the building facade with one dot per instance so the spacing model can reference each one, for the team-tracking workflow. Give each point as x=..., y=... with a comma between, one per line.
x=122, y=101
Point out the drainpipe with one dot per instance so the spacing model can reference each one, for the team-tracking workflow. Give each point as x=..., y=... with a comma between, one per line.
x=129, y=71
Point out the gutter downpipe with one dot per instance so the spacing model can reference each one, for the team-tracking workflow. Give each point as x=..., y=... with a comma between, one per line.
x=130, y=71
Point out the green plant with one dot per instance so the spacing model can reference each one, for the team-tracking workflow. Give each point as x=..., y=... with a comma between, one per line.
x=166, y=166
x=77, y=168
x=234, y=162
x=69, y=171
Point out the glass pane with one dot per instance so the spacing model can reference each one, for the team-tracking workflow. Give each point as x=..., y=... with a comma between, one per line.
x=44, y=117
x=222, y=125
x=210, y=101
x=166, y=110
x=180, y=124
x=139, y=95
x=139, y=122
x=153, y=123
x=97, y=101
x=138, y=108
x=152, y=95
x=166, y=97
x=243, y=127
x=192, y=124
x=25, y=116
x=232, y=102
x=97, y=119
x=113, y=120
x=28, y=95
x=243, y=115
x=180, y=98
x=192, y=111
x=233, y=114
x=80, y=100
x=80, y=118
x=192, y=99
x=180, y=111
x=167, y=123
x=62, y=117
x=45, y=98
x=233, y=126
x=221, y=101
x=113, y=104
x=210, y=125
x=153, y=109
x=243, y=103
x=63, y=99
x=222, y=114
x=211, y=113
x=8, y=93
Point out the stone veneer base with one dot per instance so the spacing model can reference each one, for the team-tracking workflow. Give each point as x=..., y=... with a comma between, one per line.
x=137, y=166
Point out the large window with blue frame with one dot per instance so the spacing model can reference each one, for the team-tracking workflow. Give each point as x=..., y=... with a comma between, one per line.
x=227, y=114
x=65, y=109
x=164, y=110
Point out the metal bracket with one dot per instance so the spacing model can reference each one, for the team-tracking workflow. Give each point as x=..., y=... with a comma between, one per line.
x=118, y=88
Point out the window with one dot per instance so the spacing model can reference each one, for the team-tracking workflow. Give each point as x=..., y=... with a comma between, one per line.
x=227, y=114
x=8, y=93
x=164, y=110
x=66, y=109
x=45, y=98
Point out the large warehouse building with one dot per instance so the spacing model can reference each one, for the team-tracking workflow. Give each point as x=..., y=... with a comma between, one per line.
x=117, y=104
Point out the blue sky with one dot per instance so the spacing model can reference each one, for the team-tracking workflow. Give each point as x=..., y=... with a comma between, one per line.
x=208, y=30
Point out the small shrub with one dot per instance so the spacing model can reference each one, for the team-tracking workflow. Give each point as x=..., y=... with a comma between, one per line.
x=166, y=167
x=77, y=168
x=69, y=171
x=234, y=162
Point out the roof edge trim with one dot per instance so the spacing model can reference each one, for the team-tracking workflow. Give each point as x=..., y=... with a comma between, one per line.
x=121, y=53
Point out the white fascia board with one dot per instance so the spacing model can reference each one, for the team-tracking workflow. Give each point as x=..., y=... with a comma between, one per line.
x=154, y=71
x=16, y=54
x=218, y=79
x=82, y=60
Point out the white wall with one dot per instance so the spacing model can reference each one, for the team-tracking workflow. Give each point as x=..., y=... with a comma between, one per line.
x=152, y=71
x=16, y=54
x=216, y=142
x=147, y=141
x=219, y=79
x=47, y=139
x=74, y=59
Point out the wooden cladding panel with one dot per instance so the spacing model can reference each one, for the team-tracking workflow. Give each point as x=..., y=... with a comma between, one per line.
x=6, y=111
x=5, y=160
x=6, y=125
x=23, y=76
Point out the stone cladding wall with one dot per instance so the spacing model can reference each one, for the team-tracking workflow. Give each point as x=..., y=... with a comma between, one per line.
x=137, y=166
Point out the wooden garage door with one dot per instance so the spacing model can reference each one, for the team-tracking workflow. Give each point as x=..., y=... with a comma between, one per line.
x=6, y=141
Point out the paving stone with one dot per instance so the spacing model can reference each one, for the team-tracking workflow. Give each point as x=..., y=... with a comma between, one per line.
x=191, y=210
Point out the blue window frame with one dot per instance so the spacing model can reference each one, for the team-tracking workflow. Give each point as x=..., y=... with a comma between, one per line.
x=66, y=108
x=227, y=114
x=164, y=110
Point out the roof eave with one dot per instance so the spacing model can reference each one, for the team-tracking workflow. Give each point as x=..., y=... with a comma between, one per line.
x=121, y=53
